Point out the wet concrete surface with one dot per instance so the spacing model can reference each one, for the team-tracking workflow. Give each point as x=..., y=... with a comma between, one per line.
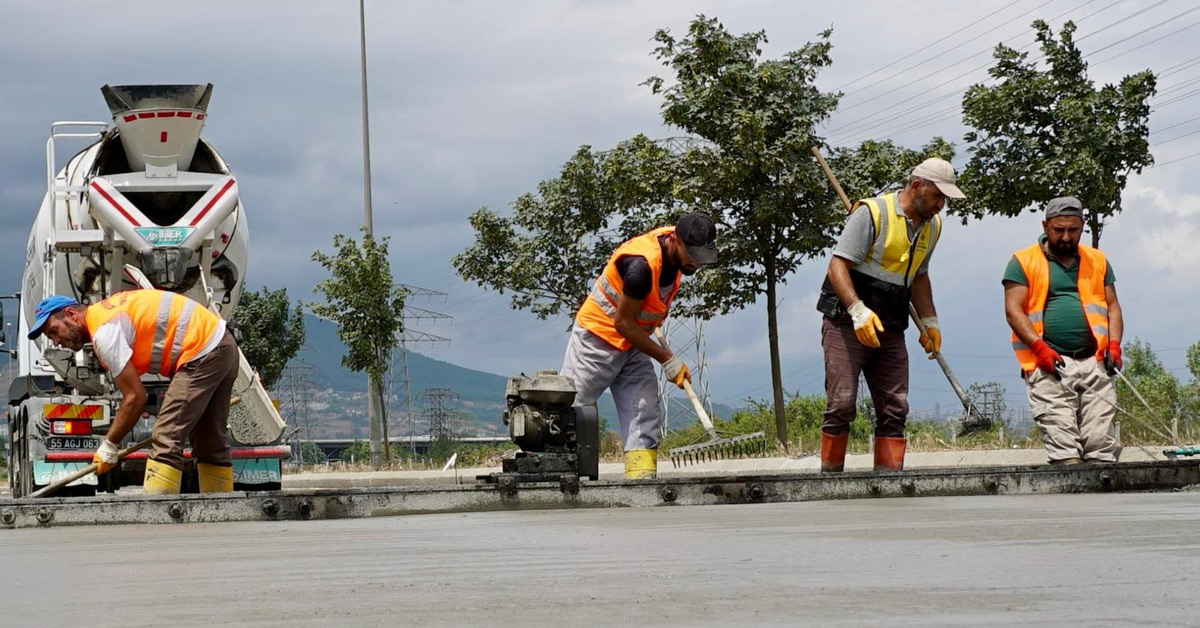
x=1095, y=560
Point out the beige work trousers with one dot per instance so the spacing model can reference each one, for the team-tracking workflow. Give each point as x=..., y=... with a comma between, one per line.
x=1076, y=412
x=196, y=409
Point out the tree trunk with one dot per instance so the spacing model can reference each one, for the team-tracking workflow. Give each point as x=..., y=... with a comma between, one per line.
x=383, y=422
x=773, y=341
x=1096, y=226
x=373, y=421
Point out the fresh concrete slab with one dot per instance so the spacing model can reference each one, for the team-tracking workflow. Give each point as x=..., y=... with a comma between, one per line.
x=1042, y=560
x=611, y=471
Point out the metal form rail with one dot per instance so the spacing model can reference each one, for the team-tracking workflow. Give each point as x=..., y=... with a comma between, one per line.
x=312, y=504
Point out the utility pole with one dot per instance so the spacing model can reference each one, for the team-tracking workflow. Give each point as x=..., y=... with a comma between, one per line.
x=414, y=336
x=379, y=445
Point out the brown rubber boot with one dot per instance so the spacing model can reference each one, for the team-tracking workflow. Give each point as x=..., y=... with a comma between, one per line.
x=833, y=452
x=889, y=453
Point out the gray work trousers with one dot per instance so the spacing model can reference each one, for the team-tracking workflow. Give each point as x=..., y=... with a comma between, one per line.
x=594, y=365
x=1076, y=412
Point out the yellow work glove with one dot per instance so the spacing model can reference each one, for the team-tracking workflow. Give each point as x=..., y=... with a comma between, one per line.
x=931, y=339
x=676, y=371
x=866, y=324
x=105, y=457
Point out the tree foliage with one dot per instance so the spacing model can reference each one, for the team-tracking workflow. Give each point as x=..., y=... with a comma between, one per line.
x=754, y=171
x=271, y=331
x=556, y=242
x=874, y=167
x=364, y=302
x=1039, y=134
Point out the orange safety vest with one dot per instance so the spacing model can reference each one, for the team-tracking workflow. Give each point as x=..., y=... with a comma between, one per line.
x=169, y=329
x=599, y=312
x=1092, y=269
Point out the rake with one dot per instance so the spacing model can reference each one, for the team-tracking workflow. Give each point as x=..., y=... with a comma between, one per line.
x=716, y=447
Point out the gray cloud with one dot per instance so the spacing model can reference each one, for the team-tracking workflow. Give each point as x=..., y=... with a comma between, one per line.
x=473, y=103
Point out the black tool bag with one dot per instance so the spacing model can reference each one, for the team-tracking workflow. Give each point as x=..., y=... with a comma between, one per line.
x=887, y=300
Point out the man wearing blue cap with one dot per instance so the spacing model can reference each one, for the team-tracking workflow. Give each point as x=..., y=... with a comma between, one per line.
x=150, y=331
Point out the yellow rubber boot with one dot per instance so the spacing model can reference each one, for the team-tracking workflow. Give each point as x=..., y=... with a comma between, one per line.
x=641, y=464
x=161, y=479
x=214, y=478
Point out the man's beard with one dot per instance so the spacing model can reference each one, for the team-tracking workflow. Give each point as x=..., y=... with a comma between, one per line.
x=75, y=340
x=1068, y=248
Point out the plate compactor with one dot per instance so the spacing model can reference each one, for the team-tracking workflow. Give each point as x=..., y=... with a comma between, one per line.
x=559, y=441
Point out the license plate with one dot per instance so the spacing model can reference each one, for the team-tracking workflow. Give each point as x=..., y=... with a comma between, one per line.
x=73, y=443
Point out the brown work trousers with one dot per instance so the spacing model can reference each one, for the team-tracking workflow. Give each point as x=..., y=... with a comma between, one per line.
x=886, y=372
x=196, y=408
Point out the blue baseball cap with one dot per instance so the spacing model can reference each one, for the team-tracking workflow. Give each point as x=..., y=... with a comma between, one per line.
x=45, y=308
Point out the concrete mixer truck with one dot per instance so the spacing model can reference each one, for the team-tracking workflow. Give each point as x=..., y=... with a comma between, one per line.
x=146, y=203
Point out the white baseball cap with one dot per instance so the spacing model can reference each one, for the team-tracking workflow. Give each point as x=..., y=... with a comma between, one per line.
x=940, y=173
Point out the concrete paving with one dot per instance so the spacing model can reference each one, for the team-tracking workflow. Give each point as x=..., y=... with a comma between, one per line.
x=1096, y=560
x=610, y=471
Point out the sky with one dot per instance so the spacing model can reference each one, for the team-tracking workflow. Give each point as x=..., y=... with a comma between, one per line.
x=472, y=103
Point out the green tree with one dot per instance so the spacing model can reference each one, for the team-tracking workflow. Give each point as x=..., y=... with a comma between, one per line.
x=271, y=332
x=367, y=306
x=876, y=166
x=358, y=451
x=558, y=240
x=310, y=453
x=749, y=123
x=1039, y=134
x=1158, y=386
x=753, y=171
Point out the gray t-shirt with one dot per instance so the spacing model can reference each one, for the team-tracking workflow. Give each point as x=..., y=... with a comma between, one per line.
x=859, y=233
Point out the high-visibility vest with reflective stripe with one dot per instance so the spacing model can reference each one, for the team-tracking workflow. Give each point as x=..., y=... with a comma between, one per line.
x=1092, y=270
x=892, y=257
x=169, y=329
x=599, y=312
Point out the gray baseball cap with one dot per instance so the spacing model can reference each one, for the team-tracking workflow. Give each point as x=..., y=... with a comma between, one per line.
x=1064, y=206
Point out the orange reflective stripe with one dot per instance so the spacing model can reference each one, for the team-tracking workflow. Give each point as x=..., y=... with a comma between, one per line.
x=71, y=411
x=599, y=310
x=1092, y=268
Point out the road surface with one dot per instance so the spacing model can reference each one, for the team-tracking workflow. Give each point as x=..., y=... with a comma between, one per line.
x=1095, y=560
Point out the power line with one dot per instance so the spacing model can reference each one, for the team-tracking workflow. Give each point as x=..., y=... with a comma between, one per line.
x=1165, y=163
x=1152, y=41
x=857, y=128
x=944, y=52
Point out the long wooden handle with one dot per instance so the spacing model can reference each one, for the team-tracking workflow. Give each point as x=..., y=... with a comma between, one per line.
x=912, y=311
x=88, y=470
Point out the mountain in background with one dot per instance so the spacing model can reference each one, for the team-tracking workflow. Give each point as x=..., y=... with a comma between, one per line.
x=480, y=395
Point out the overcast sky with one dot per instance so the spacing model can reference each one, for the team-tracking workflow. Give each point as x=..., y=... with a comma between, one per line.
x=472, y=103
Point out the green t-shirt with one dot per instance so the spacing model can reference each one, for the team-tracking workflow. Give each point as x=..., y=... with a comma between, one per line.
x=1065, y=328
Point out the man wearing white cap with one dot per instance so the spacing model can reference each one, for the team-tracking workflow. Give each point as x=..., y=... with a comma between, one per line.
x=879, y=265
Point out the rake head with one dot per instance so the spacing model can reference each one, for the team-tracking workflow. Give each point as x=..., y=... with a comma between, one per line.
x=743, y=446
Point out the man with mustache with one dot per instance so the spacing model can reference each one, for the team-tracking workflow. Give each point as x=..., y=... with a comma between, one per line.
x=1062, y=306
x=879, y=266
x=150, y=331
x=611, y=345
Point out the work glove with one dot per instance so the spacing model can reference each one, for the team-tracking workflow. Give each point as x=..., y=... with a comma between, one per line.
x=1047, y=359
x=866, y=324
x=931, y=338
x=1112, y=357
x=677, y=371
x=105, y=457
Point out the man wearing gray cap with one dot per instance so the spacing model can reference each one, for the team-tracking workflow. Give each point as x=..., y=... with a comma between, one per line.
x=880, y=264
x=1062, y=306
